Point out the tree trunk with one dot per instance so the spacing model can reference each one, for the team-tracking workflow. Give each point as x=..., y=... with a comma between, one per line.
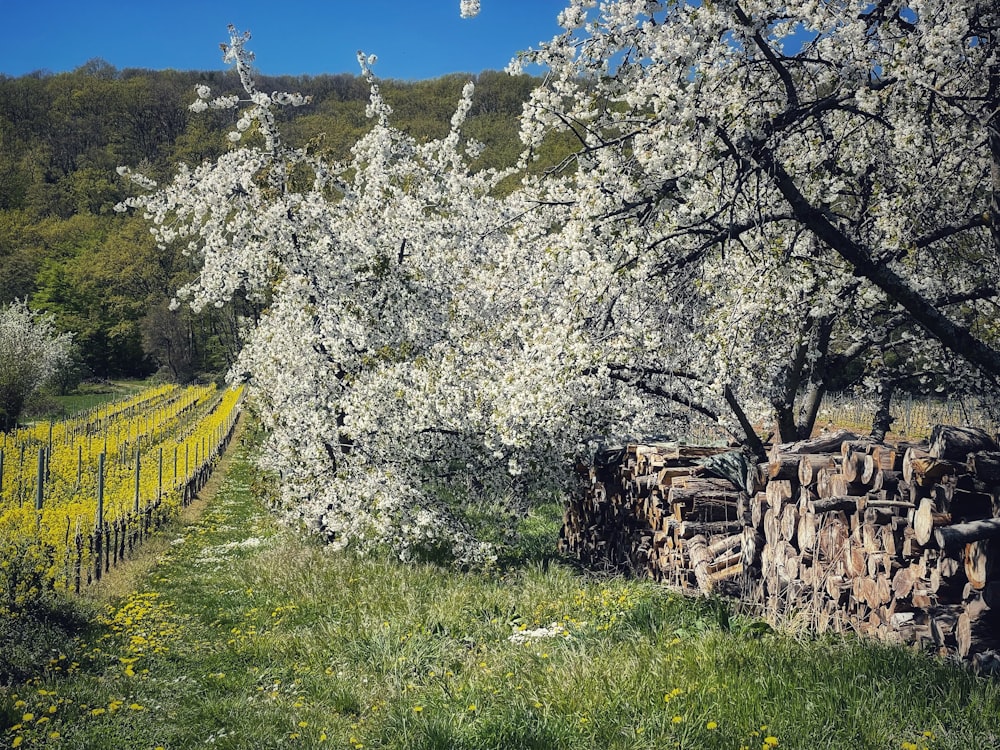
x=882, y=420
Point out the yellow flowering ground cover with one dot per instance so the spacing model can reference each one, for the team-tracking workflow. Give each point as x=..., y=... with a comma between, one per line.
x=249, y=635
x=149, y=445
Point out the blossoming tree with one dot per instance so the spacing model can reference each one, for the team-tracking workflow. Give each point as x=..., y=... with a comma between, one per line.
x=819, y=180
x=762, y=199
x=32, y=351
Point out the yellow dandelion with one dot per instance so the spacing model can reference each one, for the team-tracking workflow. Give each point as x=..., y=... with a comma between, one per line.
x=27, y=717
x=711, y=725
x=54, y=735
x=770, y=741
x=472, y=706
x=98, y=711
x=17, y=741
x=136, y=707
x=418, y=709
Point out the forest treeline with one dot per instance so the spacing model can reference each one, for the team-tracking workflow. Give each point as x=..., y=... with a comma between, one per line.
x=64, y=248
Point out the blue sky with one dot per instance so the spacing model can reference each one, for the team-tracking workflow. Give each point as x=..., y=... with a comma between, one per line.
x=414, y=39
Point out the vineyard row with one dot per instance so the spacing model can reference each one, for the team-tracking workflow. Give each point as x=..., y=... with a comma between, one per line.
x=78, y=496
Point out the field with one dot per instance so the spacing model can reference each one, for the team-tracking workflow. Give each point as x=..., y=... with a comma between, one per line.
x=245, y=634
x=80, y=495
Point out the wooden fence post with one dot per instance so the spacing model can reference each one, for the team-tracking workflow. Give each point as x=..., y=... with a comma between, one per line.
x=138, y=460
x=40, y=491
x=100, y=490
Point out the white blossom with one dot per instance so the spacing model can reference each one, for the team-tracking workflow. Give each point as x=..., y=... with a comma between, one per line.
x=430, y=341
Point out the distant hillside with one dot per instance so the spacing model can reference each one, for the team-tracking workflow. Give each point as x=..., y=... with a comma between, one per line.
x=62, y=136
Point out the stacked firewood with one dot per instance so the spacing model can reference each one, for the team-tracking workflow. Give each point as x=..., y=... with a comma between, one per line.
x=640, y=500
x=898, y=541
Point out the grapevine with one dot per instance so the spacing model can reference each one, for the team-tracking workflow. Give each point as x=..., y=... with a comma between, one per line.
x=78, y=495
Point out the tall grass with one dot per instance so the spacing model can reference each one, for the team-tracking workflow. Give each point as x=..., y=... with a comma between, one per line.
x=246, y=635
x=914, y=415
x=47, y=405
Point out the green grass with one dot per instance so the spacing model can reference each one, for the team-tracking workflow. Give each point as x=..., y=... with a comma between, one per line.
x=248, y=636
x=47, y=405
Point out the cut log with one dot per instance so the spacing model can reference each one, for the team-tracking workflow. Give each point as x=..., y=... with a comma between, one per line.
x=950, y=537
x=904, y=580
x=926, y=470
x=912, y=453
x=831, y=537
x=888, y=458
x=848, y=503
x=837, y=586
x=829, y=442
x=986, y=466
x=840, y=486
x=772, y=526
x=886, y=480
x=778, y=492
x=956, y=443
x=667, y=474
x=789, y=522
x=700, y=557
x=783, y=466
x=855, y=563
x=717, y=576
x=786, y=562
x=686, y=529
x=758, y=506
x=751, y=544
x=977, y=562
x=810, y=465
x=805, y=532
x=925, y=519
x=869, y=470
x=645, y=484
x=855, y=455
x=703, y=499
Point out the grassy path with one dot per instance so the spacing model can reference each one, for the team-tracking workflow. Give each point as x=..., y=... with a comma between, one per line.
x=244, y=635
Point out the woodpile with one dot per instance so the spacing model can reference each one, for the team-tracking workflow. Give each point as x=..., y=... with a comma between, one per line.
x=896, y=541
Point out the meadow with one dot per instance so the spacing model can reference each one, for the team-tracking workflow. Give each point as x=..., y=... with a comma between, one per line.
x=237, y=632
